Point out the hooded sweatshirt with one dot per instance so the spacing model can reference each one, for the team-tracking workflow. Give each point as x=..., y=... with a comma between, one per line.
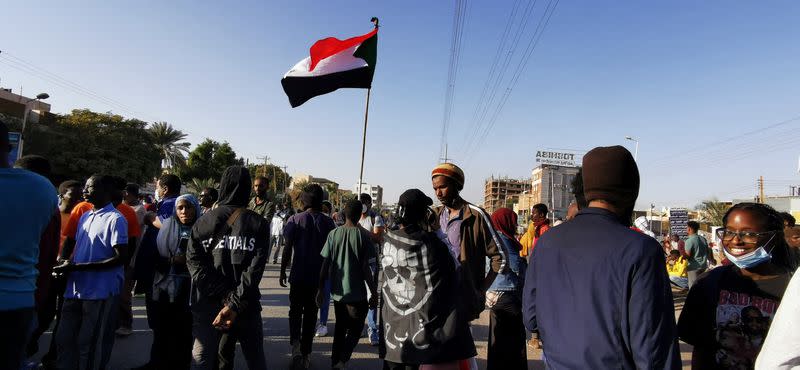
x=226, y=262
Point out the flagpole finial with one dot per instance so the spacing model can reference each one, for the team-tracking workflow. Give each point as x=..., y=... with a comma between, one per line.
x=375, y=21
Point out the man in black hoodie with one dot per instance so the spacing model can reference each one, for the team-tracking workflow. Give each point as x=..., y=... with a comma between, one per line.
x=226, y=257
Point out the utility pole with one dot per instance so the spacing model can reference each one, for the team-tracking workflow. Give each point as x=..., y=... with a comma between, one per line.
x=761, y=189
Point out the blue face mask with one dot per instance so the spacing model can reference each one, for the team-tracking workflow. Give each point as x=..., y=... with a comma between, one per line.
x=754, y=258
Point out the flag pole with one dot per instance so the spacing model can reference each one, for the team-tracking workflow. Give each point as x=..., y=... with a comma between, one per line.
x=364, y=135
x=363, y=144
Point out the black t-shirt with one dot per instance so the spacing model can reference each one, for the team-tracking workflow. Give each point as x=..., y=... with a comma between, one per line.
x=729, y=314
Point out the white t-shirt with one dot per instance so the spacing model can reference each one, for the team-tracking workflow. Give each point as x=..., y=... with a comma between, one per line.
x=781, y=349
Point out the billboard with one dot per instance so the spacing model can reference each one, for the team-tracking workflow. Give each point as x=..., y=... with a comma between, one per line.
x=678, y=219
x=555, y=158
x=13, y=139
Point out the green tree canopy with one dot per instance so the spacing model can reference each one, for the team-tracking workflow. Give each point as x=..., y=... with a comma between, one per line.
x=712, y=211
x=84, y=142
x=170, y=146
x=208, y=160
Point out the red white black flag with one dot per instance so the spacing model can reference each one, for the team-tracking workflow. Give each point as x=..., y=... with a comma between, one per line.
x=333, y=64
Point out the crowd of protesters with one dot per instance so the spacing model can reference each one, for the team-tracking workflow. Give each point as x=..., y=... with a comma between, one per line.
x=593, y=292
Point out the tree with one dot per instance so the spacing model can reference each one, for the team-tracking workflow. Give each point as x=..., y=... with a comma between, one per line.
x=712, y=211
x=197, y=185
x=168, y=141
x=208, y=160
x=84, y=142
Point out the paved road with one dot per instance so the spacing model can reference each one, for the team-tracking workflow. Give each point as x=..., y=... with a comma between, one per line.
x=134, y=350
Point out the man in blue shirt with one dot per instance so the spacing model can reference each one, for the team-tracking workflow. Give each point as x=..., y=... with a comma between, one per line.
x=19, y=251
x=168, y=187
x=95, y=273
x=597, y=291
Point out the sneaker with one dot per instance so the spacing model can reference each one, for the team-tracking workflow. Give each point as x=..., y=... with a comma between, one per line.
x=322, y=330
x=30, y=365
x=373, y=337
x=306, y=362
x=123, y=331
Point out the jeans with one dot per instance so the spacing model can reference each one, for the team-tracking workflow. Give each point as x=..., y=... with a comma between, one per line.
x=349, y=322
x=506, y=335
x=372, y=315
x=326, y=304
x=86, y=333
x=277, y=247
x=17, y=328
x=247, y=329
x=680, y=282
x=302, y=315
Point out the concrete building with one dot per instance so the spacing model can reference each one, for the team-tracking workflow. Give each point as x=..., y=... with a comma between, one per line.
x=788, y=203
x=550, y=184
x=375, y=191
x=503, y=192
x=308, y=179
x=15, y=105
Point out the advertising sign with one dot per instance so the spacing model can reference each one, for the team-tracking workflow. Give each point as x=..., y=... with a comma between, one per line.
x=13, y=139
x=678, y=218
x=555, y=158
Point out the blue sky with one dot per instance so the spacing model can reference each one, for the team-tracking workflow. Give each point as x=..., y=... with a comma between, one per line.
x=686, y=78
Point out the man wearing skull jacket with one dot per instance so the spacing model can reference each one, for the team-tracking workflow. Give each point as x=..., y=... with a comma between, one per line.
x=422, y=321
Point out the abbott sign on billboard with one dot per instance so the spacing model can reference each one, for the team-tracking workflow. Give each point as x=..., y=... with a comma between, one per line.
x=555, y=158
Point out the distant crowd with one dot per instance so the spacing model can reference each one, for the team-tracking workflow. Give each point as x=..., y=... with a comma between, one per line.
x=592, y=292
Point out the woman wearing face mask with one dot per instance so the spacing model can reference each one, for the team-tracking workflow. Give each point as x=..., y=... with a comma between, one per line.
x=172, y=324
x=728, y=311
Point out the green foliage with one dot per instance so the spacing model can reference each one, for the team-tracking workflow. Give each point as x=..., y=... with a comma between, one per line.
x=197, y=185
x=168, y=142
x=208, y=160
x=712, y=211
x=278, y=180
x=83, y=143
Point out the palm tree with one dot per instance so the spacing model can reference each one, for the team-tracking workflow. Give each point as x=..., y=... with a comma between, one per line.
x=167, y=140
x=197, y=185
x=712, y=211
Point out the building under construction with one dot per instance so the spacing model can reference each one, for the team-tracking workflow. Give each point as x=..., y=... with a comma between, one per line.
x=503, y=192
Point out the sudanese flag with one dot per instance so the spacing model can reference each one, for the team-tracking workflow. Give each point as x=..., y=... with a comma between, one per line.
x=333, y=64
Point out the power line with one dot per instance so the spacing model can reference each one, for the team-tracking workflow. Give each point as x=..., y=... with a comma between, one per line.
x=459, y=20
x=540, y=28
x=31, y=69
x=484, y=105
x=490, y=80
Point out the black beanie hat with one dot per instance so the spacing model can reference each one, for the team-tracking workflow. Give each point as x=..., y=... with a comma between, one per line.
x=611, y=174
x=412, y=205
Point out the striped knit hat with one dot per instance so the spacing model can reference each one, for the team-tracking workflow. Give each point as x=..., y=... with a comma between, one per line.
x=450, y=170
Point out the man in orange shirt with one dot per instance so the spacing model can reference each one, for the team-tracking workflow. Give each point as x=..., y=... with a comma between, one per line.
x=134, y=232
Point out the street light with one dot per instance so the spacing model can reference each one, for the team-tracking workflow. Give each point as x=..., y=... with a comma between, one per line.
x=636, y=152
x=41, y=96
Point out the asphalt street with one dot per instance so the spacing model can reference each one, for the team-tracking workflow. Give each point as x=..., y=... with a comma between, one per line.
x=134, y=350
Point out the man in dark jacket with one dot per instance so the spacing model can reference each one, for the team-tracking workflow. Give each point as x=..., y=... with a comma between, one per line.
x=467, y=231
x=305, y=234
x=597, y=291
x=226, y=257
